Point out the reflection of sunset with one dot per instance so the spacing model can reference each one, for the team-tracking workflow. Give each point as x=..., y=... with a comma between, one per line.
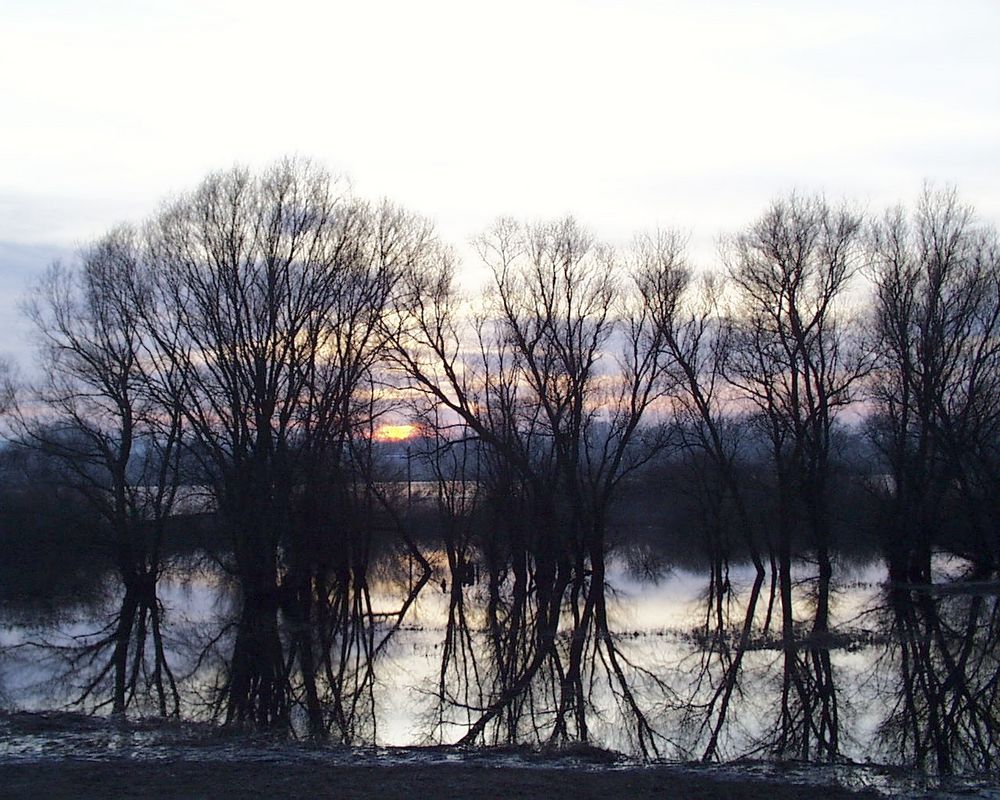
x=395, y=433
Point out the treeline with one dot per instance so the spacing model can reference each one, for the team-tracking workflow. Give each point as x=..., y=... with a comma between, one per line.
x=251, y=335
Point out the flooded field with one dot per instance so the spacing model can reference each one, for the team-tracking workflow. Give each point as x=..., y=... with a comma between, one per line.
x=423, y=664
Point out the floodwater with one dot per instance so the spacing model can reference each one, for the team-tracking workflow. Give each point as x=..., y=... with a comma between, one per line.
x=427, y=672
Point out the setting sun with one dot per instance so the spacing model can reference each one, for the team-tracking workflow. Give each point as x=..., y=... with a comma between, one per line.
x=395, y=433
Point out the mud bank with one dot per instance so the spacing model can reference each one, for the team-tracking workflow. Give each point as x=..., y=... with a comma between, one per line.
x=57, y=755
x=170, y=780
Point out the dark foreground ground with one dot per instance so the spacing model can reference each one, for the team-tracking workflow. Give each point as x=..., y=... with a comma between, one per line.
x=122, y=779
x=58, y=755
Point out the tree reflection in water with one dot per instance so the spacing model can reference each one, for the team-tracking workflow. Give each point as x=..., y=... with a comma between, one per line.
x=511, y=664
x=250, y=338
x=943, y=652
x=541, y=665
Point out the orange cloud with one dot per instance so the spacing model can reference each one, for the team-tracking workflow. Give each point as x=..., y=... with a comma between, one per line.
x=395, y=433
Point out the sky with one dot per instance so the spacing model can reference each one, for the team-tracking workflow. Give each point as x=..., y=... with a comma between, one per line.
x=629, y=115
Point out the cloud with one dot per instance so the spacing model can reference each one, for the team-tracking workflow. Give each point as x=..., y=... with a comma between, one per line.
x=20, y=266
x=627, y=115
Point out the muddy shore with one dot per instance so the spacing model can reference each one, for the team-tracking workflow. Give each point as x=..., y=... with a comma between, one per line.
x=58, y=755
x=176, y=780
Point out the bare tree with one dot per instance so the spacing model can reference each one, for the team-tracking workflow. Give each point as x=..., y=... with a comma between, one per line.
x=270, y=296
x=795, y=357
x=937, y=292
x=710, y=432
x=553, y=378
x=92, y=411
x=937, y=298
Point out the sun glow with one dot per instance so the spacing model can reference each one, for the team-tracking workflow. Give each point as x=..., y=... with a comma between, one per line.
x=395, y=433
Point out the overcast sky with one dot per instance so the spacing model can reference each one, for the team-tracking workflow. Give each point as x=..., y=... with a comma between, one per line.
x=629, y=115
